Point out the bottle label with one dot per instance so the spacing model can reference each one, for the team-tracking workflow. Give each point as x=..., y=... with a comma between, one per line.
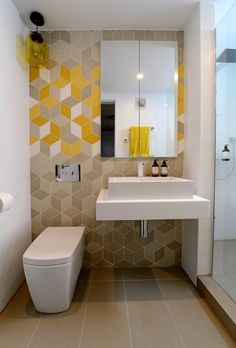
x=225, y=155
x=155, y=170
x=164, y=171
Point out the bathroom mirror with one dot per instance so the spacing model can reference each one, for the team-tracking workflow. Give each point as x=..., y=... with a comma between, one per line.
x=139, y=99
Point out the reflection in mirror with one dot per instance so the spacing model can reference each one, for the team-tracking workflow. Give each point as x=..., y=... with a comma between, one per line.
x=138, y=79
x=158, y=90
x=108, y=129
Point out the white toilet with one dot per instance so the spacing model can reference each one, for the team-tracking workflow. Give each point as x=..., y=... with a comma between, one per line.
x=52, y=264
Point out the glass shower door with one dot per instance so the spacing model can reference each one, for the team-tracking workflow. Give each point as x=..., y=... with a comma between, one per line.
x=224, y=244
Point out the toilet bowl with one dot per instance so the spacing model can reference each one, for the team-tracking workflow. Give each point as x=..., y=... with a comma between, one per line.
x=52, y=264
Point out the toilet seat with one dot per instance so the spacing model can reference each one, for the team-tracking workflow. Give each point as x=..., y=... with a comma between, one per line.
x=55, y=246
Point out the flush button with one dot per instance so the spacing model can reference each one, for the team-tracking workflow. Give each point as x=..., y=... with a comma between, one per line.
x=67, y=172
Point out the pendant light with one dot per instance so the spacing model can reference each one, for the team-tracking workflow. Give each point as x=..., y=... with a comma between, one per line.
x=36, y=46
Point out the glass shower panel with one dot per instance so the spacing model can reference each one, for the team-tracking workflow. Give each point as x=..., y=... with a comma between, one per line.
x=224, y=246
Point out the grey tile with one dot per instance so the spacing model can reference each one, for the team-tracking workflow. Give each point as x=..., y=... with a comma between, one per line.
x=18, y=320
x=196, y=322
x=138, y=274
x=106, y=321
x=109, y=291
x=170, y=273
x=149, y=318
x=63, y=329
x=105, y=274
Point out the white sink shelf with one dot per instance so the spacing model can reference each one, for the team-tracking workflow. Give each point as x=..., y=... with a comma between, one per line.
x=147, y=198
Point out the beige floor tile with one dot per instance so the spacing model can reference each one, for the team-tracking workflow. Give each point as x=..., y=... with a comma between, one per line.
x=18, y=321
x=150, y=323
x=197, y=324
x=106, y=321
x=138, y=274
x=107, y=274
x=63, y=330
x=169, y=273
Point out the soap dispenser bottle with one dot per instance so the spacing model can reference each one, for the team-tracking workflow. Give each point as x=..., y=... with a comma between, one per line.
x=155, y=168
x=226, y=153
x=164, y=169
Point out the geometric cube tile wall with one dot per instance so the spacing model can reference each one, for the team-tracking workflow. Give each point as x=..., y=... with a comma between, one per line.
x=65, y=128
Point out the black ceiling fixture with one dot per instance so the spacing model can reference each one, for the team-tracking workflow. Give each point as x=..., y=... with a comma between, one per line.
x=38, y=20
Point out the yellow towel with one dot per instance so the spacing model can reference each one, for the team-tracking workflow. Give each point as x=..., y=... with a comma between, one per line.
x=139, y=141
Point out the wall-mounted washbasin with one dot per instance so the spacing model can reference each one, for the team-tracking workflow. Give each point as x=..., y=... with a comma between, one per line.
x=149, y=187
x=148, y=198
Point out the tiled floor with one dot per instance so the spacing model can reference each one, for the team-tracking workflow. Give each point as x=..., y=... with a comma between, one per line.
x=224, y=265
x=131, y=308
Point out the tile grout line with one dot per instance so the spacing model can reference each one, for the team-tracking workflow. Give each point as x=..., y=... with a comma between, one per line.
x=169, y=311
x=34, y=331
x=85, y=311
x=127, y=312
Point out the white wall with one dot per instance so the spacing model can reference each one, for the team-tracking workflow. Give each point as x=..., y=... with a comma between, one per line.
x=15, y=234
x=192, y=44
x=199, y=133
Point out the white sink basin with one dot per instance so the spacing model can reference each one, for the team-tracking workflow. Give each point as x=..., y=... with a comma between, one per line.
x=148, y=198
x=149, y=188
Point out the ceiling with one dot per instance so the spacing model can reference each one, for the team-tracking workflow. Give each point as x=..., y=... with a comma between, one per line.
x=110, y=14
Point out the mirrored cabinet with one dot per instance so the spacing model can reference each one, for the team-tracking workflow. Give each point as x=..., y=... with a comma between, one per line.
x=139, y=95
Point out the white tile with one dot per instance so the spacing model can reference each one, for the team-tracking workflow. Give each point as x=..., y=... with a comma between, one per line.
x=75, y=129
x=34, y=149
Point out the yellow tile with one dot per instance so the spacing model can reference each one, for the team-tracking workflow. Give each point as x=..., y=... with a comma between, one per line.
x=75, y=74
x=76, y=148
x=92, y=138
x=96, y=111
x=60, y=83
x=181, y=71
x=91, y=101
x=180, y=136
x=86, y=130
x=65, y=73
x=50, y=139
x=66, y=110
x=76, y=92
x=50, y=102
x=39, y=121
x=181, y=91
x=33, y=139
x=66, y=148
x=180, y=108
x=34, y=111
x=96, y=73
x=80, y=83
x=34, y=73
x=82, y=120
x=55, y=130
x=95, y=92
x=44, y=92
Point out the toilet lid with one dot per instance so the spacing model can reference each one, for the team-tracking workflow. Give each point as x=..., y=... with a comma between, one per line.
x=54, y=246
